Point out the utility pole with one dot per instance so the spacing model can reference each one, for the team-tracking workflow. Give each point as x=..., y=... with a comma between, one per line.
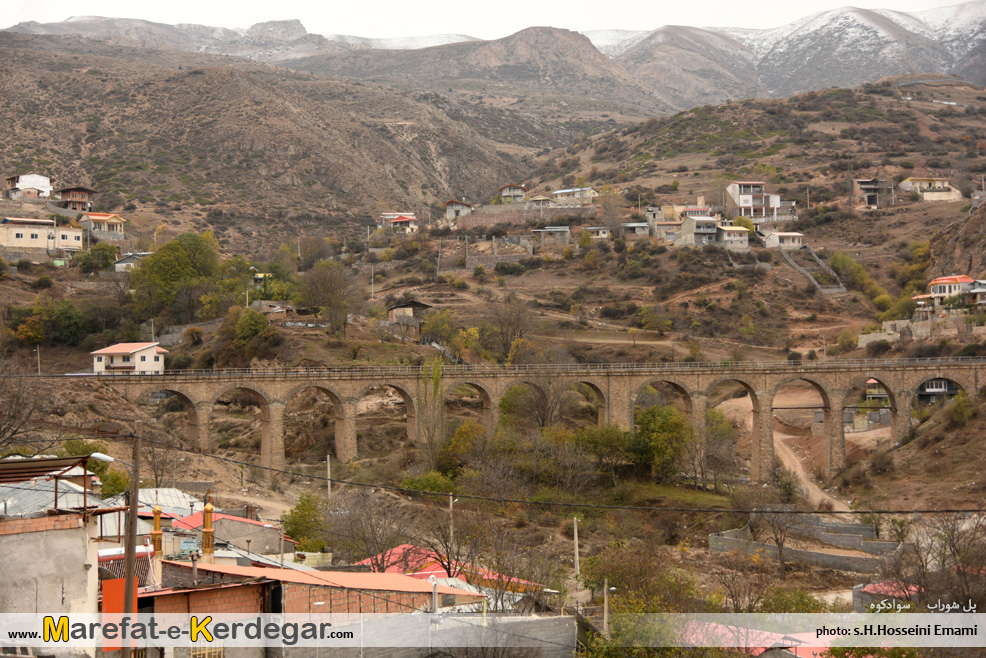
x=130, y=547
x=37, y=348
x=282, y=545
x=451, y=522
x=578, y=570
x=328, y=478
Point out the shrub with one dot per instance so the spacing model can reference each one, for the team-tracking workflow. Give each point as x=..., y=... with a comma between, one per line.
x=515, y=269
x=432, y=481
x=43, y=282
x=878, y=348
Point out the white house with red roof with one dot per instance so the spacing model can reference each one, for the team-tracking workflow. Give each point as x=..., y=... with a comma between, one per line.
x=104, y=225
x=401, y=222
x=129, y=359
x=944, y=287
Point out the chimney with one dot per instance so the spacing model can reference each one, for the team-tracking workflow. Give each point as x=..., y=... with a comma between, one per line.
x=208, y=541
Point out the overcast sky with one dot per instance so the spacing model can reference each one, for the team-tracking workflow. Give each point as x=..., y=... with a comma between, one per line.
x=394, y=18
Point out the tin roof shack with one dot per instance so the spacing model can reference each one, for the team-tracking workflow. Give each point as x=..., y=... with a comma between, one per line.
x=292, y=591
x=49, y=556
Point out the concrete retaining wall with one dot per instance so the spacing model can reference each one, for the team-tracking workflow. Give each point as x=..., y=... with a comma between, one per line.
x=739, y=540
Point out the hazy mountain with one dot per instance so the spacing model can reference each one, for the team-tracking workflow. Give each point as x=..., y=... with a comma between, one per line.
x=630, y=72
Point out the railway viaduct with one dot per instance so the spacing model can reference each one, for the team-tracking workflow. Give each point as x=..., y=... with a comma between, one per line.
x=615, y=385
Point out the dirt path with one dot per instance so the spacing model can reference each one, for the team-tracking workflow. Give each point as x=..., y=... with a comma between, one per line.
x=741, y=410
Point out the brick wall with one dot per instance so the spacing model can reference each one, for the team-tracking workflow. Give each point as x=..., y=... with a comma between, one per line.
x=298, y=598
x=40, y=524
x=243, y=598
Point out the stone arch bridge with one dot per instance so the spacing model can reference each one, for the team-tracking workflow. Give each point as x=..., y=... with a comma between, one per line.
x=615, y=385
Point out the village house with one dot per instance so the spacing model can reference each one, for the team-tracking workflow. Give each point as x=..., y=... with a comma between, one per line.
x=553, y=235
x=872, y=192
x=931, y=189
x=977, y=200
x=666, y=231
x=512, y=193
x=734, y=238
x=76, y=198
x=129, y=359
x=264, y=538
x=401, y=223
x=753, y=201
x=696, y=230
x=636, y=230
x=410, y=310
x=540, y=201
x=27, y=187
x=597, y=232
x=786, y=240
x=944, y=287
x=455, y=208
x=18, y=233
x=977, y=294
x=128, y=261
x=575, y=196
x=104, y=225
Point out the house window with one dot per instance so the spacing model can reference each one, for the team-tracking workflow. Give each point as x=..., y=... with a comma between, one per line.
x=78, y=238
x=126, y=359
x=143, y=358
x=34, y=236
x=19, y=236
x=64, y=237
x=157, y=358
x=99, y=359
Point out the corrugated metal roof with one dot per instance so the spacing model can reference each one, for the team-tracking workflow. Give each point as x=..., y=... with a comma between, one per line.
x=20, y=469
x=124, y=348
x=388, y=582
x=173, y=502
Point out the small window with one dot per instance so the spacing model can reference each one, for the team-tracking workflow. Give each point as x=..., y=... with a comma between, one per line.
x=34, y=236
x=126, y=359
x=143, y=358
x=157, y=358
x=64, y=237
x=19, y=236
x=78, y=238
x=99, y=359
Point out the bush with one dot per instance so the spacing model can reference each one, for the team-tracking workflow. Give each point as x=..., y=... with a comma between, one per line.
x=432, y=481
x=878, y=348
x=515, y=269
x=43, y=282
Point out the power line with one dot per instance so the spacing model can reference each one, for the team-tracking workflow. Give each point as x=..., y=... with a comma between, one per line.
x=541, y=503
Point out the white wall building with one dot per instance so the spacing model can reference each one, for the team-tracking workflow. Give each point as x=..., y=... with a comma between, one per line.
x=129, y=359
x=24, y=233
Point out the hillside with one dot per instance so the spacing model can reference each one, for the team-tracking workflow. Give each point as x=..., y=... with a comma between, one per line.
x=202, y=138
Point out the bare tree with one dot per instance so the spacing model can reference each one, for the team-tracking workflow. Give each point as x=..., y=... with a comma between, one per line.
x=511, y=567
x=451, y=537
x=21, y=404
x=744, y=579
x=330, y=288
x=163, y=459
x=780, y=522
x=362, y=526
x=506, y=320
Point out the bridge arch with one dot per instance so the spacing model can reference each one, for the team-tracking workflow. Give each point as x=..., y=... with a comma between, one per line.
x=336, y=415
x=827, y=454
x=679, y=388
x=410, y=408
x=489, y=412
x=271, y=421
x=602, y=403
x=760, y=426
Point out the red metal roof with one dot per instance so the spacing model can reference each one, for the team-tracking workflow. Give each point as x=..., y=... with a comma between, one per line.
x=389, y=582
x=196, y=521
x=402, y=218
x=128, y=348
x=511, y=185
x=461, y=203
x=961, y=278
x=421, y=563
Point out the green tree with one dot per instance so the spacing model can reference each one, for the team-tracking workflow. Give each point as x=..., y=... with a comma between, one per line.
x=31, y=331
x=744, y=222
x=80, y=447
x=659, y=440
x=608, y=444
x=438, y=326
x=250, y=323
x=114, y=482
x=181, y=265
x=305, y=522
